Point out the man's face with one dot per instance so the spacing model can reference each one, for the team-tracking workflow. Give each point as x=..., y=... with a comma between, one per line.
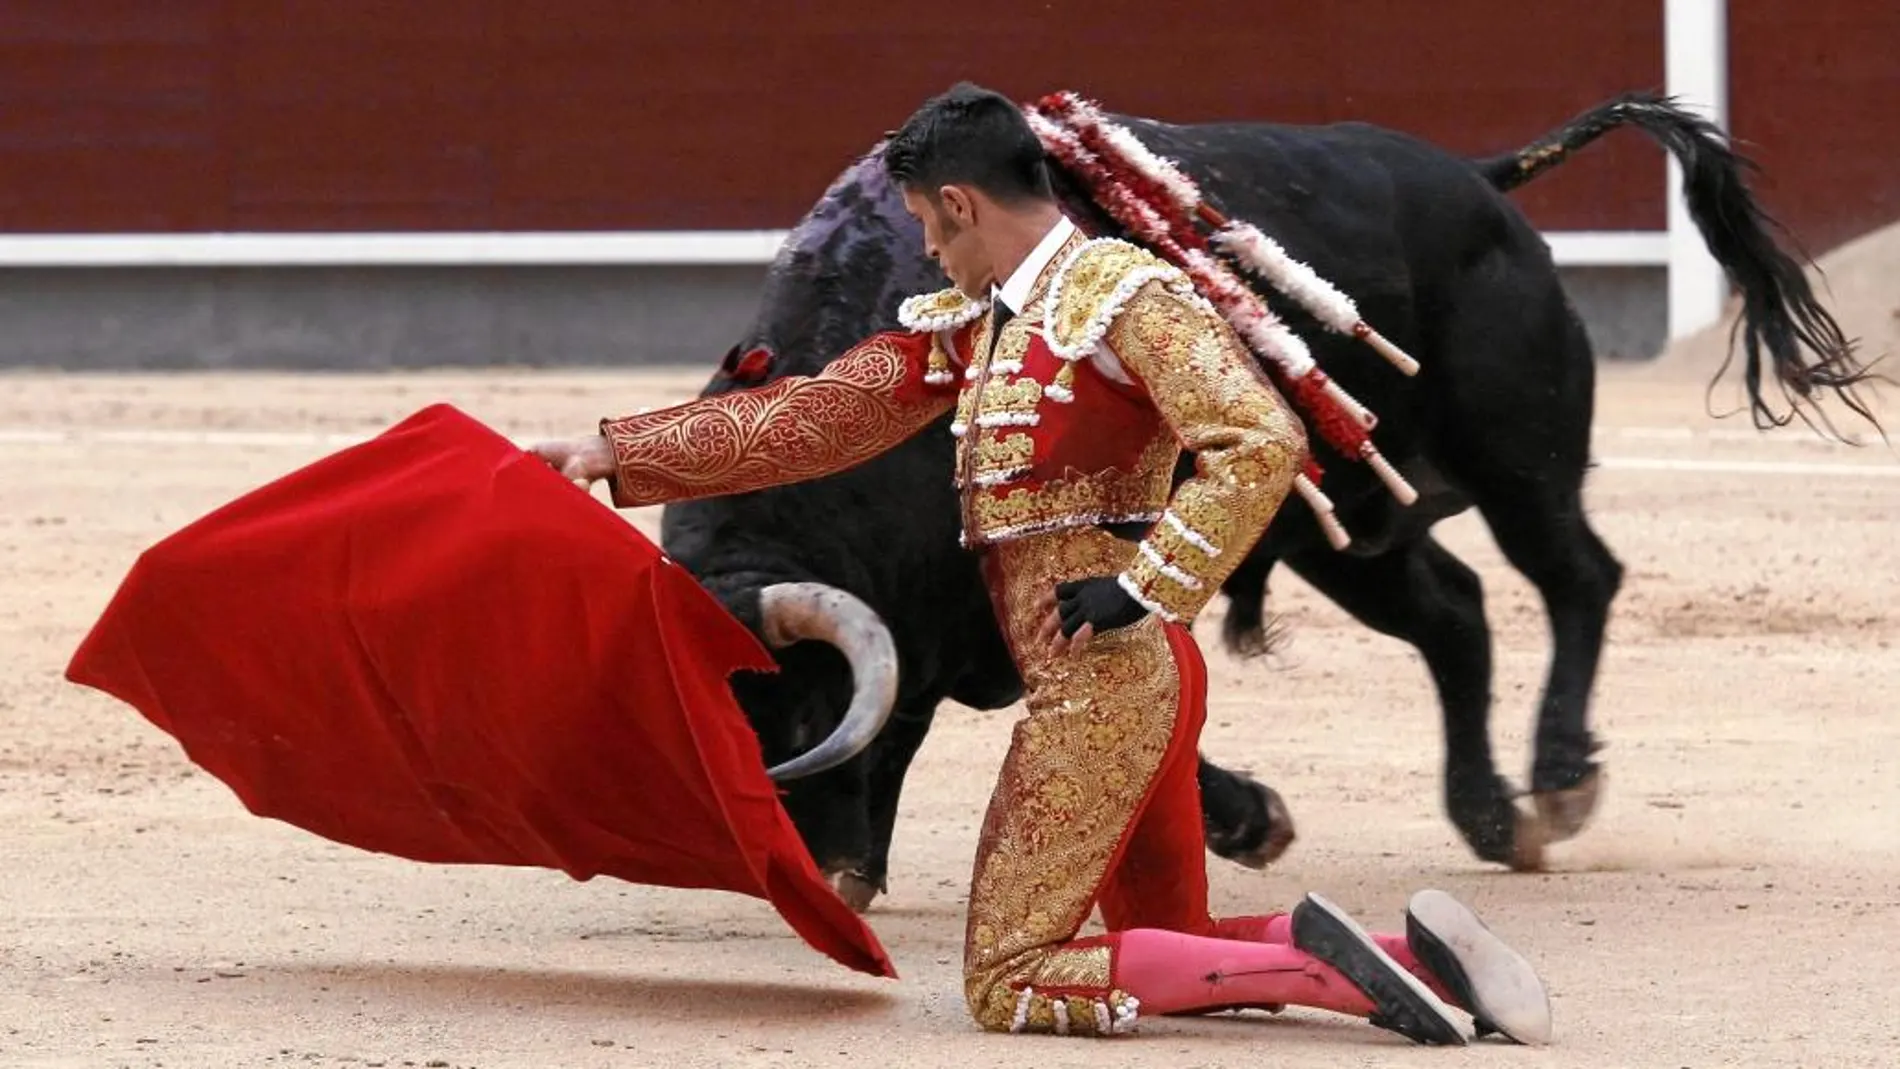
x=951, y=239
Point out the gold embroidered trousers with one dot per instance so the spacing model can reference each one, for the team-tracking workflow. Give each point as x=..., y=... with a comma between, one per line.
x=1096, y=803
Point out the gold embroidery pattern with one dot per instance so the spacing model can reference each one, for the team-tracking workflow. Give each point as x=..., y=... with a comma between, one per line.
x=945, y=309
x=976, y=366
x=999, y=453
x=1178, y=552
x=1110, y=496
x=794, y=429
x=1221, y=407
x=943, y=359
x=943, y=349
x=960, y=427
x=1001, y=456
x=1100, y=278
x=1098, y=725
x=1113, y=1013
x=1071, y=968
x=1085, y=290
x=1073, y=993
x=1011, y=397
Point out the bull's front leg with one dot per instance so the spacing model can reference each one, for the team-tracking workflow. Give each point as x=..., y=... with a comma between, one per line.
x=890, y=758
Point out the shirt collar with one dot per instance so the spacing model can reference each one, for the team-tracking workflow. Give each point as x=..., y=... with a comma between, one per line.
x=1015, y=291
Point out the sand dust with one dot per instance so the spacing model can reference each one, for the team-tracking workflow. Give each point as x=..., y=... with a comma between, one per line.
x=1733, y=904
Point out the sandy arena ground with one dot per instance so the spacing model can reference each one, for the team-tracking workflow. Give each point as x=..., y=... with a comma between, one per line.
x=1733, y=904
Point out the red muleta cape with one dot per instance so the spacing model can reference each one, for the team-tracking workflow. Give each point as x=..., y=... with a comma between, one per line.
x=431, y=645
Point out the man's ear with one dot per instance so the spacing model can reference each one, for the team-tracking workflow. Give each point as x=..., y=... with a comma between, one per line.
x=958, y=205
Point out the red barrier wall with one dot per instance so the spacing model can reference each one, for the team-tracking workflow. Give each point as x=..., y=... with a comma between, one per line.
x=1814, y=98
x=119, y=115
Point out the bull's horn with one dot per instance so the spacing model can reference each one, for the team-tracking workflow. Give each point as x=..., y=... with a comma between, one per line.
x=794, y=611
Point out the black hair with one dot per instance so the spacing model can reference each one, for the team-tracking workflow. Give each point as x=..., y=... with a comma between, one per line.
x=971, y=136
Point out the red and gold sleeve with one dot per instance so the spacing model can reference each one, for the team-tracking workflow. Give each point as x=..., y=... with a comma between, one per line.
x=879, y=393
x=1248, y=444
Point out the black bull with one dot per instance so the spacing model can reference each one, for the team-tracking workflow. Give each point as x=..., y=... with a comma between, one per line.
x=1498, y=418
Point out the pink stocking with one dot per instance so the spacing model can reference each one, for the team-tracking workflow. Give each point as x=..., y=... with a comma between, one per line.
x=1171, y=972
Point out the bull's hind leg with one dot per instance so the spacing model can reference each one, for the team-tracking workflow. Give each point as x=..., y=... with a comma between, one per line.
x=1542, y=531
x=1419, y=592
x=1244, y=821
x=1519, y=392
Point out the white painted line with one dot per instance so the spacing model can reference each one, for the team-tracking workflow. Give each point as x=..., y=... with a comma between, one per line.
x=28, y=436
x=1794, y=437
x=1667, y=434
x=228, y=437
x=166, y=436
x=640, y=247
x=31, y=437
x=1752, y=467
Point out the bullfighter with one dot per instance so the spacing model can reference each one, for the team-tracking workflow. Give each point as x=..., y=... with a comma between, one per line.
x=1078, y=371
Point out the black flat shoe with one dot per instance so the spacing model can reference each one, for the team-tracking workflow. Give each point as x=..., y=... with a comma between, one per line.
x=1402, y=1003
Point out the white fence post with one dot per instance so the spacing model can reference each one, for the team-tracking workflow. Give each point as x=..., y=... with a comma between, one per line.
x=1695, y=69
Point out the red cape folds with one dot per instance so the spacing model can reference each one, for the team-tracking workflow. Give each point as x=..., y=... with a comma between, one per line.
x=431, y=645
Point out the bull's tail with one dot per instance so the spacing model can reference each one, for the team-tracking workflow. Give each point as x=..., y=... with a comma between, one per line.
x=1779, y=311
x=1514, y=169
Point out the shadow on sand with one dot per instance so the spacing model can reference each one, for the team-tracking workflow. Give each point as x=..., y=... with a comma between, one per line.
x=677, y=997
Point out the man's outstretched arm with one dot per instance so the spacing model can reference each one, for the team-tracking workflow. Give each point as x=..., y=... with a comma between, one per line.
x=801, y=427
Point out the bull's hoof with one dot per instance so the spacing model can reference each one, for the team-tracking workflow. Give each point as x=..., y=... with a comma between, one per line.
x=1273, y=842
x=1565, y=813
x=1280, y=832
x=1251, y=639
x=1247, y=643
x=1481, y=808
x=856, y=889
x=1529, y=835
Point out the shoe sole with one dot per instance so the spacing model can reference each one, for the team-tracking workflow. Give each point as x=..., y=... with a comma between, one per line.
x=1402, y=1003
x=1481, y=971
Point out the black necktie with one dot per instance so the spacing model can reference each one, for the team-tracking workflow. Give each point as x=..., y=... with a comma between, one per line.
x=1000, y=314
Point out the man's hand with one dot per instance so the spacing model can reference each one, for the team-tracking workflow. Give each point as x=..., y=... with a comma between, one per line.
x=582, y=460
x=1076, y=611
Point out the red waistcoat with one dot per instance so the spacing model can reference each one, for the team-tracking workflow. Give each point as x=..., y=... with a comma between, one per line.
x=1044, y=443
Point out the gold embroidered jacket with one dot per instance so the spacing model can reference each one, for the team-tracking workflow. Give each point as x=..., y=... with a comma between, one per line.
x=1080, y=413
x=1076, y=416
